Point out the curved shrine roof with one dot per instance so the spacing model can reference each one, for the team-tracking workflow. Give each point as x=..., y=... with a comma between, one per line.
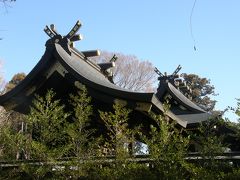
x=63, y=63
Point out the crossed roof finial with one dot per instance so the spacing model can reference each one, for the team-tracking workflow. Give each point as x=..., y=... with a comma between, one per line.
x=165, y=75
x=67, y=41
x=177, y=70
x=70, y=37
x=174, y=79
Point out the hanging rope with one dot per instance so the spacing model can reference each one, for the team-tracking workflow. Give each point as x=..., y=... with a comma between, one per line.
x=191, y=27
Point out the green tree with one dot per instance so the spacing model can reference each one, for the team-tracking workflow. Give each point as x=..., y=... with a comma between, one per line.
x=118, y=145
x=168, y=148
x=202, y=91
x=237, y=111
x=236, y=125
x=46, y=123
x=16, y=79
x=79, y=131
x=16, y=119
x=83, y=145
x=119, y=134
x=55, y=144
x=13, y=143
x=210, y=145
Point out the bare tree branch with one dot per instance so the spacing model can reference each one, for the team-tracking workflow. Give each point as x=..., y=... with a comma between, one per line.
x=6, y=4
x=130, y=72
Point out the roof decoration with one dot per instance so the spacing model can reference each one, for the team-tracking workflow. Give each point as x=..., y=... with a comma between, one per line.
x=173, y=88
x=68, y=41
x=176, y=80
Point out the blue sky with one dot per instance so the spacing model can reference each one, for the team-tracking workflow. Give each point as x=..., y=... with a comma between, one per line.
x=154, y=30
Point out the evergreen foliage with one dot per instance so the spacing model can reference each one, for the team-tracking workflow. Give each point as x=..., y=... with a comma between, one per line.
x=12, y=143
x=168, y=148
x=210, y=145
x=47, y=123
x=82, y=146
x=120, y=136
x=55, y=144
x=46, y=128
x=16, y=79
x=237, y=125
x=202, y=91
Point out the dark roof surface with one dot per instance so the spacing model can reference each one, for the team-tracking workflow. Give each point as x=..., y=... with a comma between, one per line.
x=86, y=72
x=183, y=99
x=192, y=114
x=62, y=67
x=94, y=78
